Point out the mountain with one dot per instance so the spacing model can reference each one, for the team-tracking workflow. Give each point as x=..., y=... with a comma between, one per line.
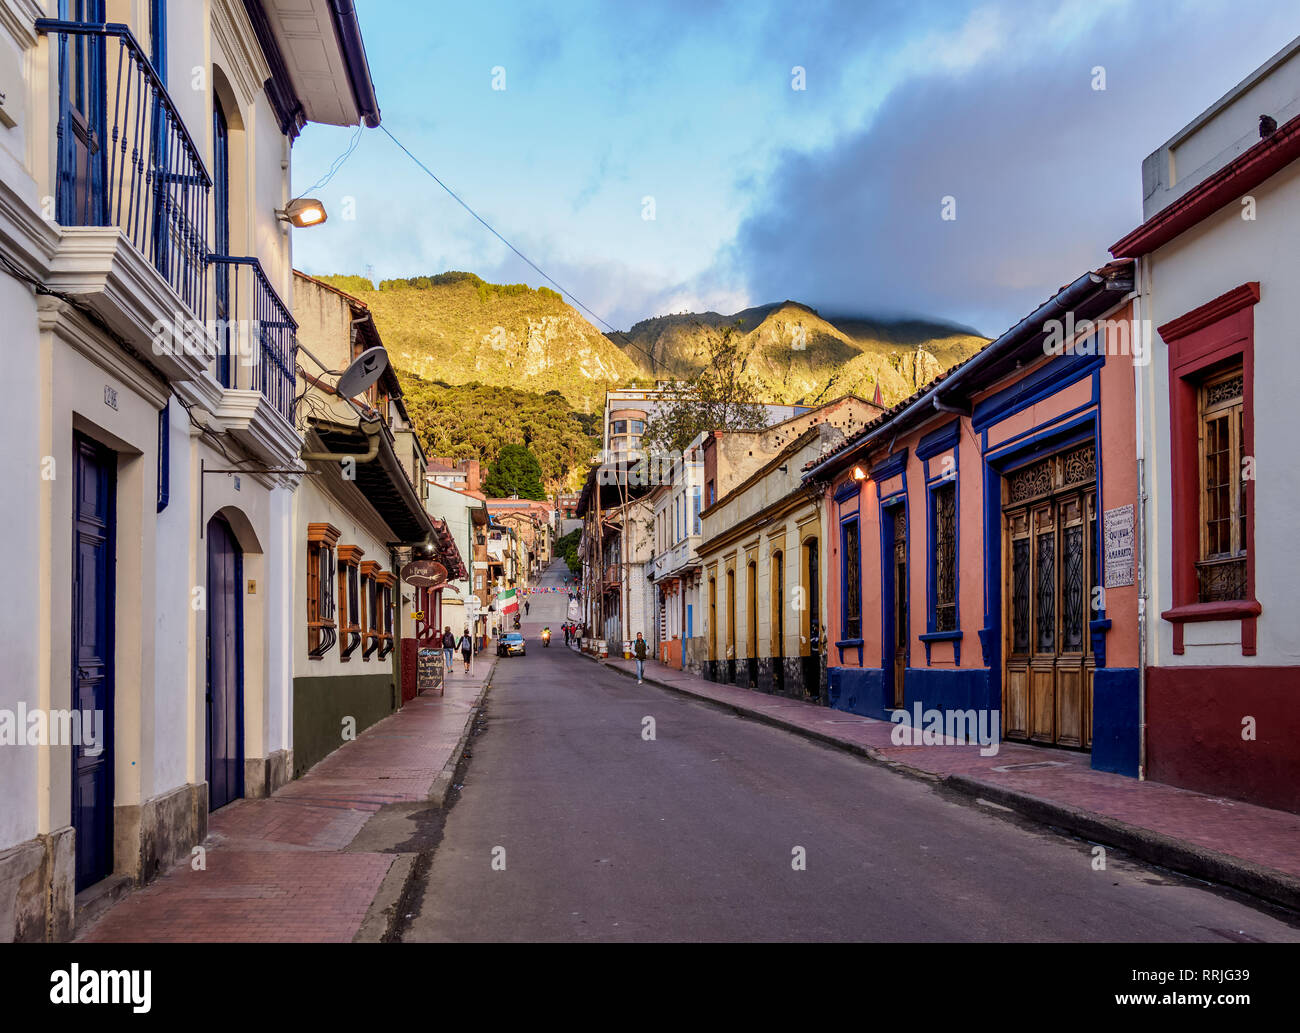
x=459, y=329
x=797, y=355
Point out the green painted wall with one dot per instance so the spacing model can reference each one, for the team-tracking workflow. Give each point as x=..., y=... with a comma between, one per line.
x=320, y=704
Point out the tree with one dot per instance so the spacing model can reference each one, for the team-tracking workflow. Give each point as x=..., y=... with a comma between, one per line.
x=722, y=397
x=515, y=472
x=567, y=546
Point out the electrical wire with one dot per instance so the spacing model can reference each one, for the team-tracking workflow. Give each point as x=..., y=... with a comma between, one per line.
x=538, y=269
x=335, y=165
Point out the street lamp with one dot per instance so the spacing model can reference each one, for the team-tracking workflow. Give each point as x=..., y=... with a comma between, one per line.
x=302, y=212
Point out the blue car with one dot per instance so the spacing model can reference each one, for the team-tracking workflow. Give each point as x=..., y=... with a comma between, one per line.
x=511, y=644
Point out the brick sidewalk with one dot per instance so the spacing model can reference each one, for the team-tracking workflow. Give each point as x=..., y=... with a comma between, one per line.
x=278, y=868
x=1252, y=847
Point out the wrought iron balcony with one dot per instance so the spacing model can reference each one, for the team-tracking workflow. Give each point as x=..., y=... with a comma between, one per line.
x=255, y=332
x=125, y=158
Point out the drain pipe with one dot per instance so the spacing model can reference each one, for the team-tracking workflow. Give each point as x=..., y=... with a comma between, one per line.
x=371, y=428
x=1141, y=306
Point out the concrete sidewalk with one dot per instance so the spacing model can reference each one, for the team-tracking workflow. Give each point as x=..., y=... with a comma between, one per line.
x=285, y=867
x=1250, y=848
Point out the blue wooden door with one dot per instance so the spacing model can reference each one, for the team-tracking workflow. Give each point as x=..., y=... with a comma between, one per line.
x=92, y=657
x=225, y=690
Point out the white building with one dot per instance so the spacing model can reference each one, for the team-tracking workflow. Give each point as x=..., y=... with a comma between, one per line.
x=146, y=291
x=674, y=569
x=1217, y=269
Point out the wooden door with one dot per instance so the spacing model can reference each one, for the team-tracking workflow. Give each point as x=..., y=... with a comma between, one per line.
x=1049, y=574
x=93, y=597
x=225, y=688
x=900, y=601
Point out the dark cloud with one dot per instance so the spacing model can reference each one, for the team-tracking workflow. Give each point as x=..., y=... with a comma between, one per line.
x=1045, y=171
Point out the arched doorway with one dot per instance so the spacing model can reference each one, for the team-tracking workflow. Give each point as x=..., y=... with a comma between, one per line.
x=225, y=675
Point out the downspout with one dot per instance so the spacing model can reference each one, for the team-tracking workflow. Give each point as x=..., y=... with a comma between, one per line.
x=1141, y=306
x=371, y=430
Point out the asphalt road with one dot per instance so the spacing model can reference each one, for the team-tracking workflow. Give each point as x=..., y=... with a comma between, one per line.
x=573, y=827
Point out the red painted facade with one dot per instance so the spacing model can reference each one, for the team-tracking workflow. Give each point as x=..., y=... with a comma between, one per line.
x=1229, y=731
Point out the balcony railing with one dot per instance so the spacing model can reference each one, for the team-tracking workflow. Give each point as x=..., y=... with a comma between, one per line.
x=125, y=158
x=255, y=332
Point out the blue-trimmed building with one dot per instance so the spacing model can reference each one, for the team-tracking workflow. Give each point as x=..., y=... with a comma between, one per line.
x=982, y=539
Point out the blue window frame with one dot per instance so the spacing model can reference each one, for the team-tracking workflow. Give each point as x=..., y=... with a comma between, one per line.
x=942, y=560
x=164, y=457
x=696, y=508
x=850, y=579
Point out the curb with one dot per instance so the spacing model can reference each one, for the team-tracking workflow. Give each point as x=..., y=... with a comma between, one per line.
x=381, y=916
x=442, y=784
x=1267, y=884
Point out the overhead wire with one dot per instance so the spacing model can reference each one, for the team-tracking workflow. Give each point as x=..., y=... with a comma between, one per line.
x=538, y=269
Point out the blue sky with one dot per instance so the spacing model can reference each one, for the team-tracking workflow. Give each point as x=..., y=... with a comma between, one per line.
x=829, y=195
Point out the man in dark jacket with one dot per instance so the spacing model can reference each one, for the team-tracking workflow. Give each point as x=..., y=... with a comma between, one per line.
x=640, y=651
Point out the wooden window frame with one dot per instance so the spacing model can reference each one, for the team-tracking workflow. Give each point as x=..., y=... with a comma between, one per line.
x=370, y=602
x=851, y=567
x=321, y=629
x=938, y=559
x=350, y=617
x=1208, y=412
x=384, y=582
x=1201, y=343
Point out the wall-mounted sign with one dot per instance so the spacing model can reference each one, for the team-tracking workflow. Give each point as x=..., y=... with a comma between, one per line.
x=1117, y=546
x=424, y=574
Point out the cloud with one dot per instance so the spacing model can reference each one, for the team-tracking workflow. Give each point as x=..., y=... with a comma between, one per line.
x=1044, y=170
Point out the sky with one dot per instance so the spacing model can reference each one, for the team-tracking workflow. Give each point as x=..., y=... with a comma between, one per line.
x=657, y=157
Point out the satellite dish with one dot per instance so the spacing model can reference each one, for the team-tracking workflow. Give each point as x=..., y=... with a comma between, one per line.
x=365, y=369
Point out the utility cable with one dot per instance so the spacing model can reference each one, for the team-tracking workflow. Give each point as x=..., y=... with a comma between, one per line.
x=538, y=269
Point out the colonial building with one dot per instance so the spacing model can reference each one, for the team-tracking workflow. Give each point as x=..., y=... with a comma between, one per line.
x=466, y=518
x=981, y=536
x=147, y=293
x=356, y=518
x=674, y=568
x=532, y=522
x=1217, y=266
x=615, y=544
x=763, y=572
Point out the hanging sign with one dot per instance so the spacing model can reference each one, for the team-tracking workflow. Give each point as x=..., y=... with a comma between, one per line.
x=424, y=574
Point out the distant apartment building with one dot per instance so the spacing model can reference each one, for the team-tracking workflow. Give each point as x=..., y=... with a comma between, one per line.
x=462, y=475
x=627, y=409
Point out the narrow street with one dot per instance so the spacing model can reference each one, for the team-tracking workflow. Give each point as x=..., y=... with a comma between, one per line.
x=608, y=836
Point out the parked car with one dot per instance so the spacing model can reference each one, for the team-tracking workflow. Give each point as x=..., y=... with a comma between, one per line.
x=511, y=644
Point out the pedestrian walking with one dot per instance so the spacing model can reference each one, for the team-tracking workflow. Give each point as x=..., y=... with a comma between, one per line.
x=566, y=634
x=448, y=647
x=640, y=651
x=525, y=607
x=466, y=648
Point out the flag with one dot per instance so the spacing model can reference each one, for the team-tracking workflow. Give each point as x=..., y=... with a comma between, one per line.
x=507, y=601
